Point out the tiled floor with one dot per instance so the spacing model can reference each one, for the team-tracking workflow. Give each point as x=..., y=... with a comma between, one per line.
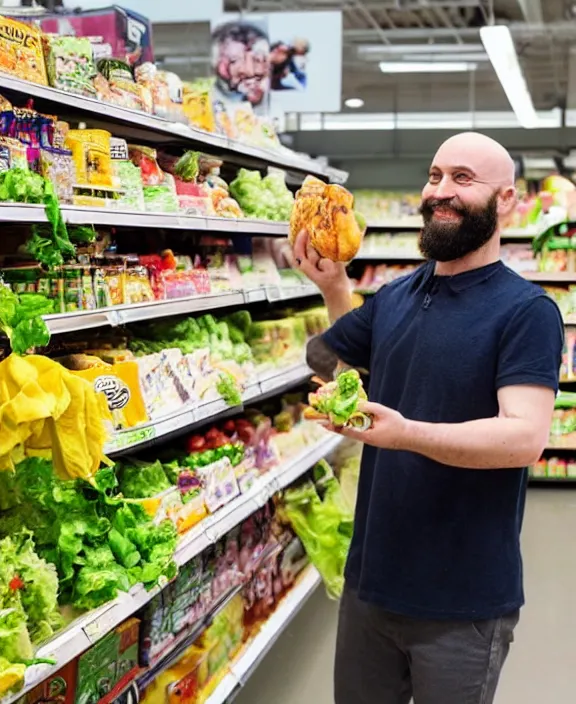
x=542, y=665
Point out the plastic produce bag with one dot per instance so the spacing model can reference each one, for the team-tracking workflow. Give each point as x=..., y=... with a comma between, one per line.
x=322, y=519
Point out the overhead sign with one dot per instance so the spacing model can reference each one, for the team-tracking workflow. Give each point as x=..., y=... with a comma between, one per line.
x=162, y=11
x=280, y=62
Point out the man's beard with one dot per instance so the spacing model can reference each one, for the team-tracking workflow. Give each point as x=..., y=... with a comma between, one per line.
x=446, y=241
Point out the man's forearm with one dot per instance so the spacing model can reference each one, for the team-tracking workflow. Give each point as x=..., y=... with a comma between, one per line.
x=490, y=443
x=338, y=301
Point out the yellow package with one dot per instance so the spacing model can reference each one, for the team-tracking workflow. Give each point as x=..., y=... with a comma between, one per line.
x=198, y=106
x=168, y=505
x=91, y=155
x=182, y=682
x=119, y=385
x=21, y=51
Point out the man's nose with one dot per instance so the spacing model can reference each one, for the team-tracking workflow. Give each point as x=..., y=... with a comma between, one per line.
x=444, y=189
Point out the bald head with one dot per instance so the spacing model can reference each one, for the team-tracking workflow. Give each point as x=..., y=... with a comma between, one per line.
x=485, y=157
x=469, y=196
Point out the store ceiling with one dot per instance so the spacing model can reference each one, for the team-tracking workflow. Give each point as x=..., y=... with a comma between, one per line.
x=543, y=31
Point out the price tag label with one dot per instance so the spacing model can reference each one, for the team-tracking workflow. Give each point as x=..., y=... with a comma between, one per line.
x=255, y=295
x=252, y=391
x=114, y=318
x=273, y=293
x=265, y=494
x=103, y=624
x=128, y=438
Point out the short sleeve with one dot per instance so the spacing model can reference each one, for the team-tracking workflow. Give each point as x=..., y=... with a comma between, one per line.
x=531, y=345
x=351, y=336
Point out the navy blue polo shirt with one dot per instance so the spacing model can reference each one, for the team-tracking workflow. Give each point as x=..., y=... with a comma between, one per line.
x=433, y=541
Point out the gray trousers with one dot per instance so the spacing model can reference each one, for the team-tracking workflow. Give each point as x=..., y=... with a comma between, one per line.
x=383, y=658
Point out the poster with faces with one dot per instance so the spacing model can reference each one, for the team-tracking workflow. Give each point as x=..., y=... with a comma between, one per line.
x=279, y=62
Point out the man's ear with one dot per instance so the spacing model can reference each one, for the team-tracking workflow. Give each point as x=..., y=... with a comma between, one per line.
x=507, y=201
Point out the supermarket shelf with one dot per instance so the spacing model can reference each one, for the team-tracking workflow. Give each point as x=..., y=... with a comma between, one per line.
x=408, y=222
x=551, y=277
x=552, y=482
x=562, y=443
x=254, y=652
x=77, y=215
x=517, y=233
x=134, y=124
x=414, y=222
x=133, y=313
x=189, y=416
x=88, y=629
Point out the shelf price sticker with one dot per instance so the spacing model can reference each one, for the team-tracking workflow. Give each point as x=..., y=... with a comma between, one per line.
x=102, y=624
x=265, y=494
x=273, y=293
x=135, y=436
x=255, y=295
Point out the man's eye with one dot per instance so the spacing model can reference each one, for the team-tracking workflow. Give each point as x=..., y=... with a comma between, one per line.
x=434, y=178
x=462, y=178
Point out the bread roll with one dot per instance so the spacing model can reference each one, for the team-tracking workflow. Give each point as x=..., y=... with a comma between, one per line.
x=326, y=212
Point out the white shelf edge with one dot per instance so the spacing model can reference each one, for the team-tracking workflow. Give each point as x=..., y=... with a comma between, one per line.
x=103, y=111
x=415, y=222
x=88, y=629
x=567, y=277
x=409, y=222
x=78, y=215
x=254, y=652
x=59, y=323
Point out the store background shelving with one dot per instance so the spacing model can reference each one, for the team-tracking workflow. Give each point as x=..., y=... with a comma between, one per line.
x=134, y=124
x=149, y=129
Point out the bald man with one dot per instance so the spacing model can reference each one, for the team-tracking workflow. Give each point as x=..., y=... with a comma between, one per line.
x=463, y=356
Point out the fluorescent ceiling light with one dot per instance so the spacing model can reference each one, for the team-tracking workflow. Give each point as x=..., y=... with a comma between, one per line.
x=426, y=66
x=500, y=48
x=471, y=57
x=354, y=103
x=418, y=49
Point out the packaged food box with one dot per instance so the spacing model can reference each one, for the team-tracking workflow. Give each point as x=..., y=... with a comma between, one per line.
x=70, y=64
x=21, y=51
x=169, y=505
x=59, y=688
x=91, y=153
x=109, y=666
x=168, y=618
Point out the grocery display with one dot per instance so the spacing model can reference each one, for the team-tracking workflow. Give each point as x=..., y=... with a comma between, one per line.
x=153, y=377
x=169, y=497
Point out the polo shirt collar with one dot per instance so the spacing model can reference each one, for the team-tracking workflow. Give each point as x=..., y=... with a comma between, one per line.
x=468, y=279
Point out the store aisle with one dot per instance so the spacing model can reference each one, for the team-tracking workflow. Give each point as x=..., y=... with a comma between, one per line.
x=298, y=670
